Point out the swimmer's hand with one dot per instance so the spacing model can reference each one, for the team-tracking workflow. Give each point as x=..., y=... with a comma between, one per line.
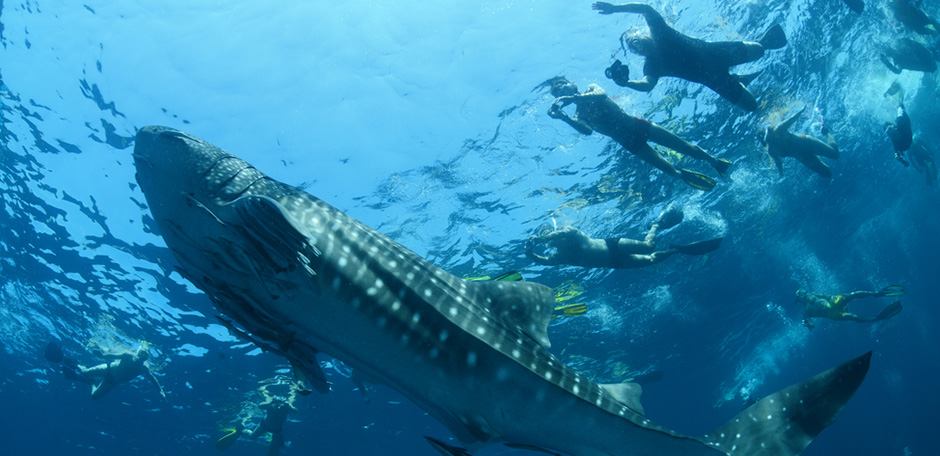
x=603, y=8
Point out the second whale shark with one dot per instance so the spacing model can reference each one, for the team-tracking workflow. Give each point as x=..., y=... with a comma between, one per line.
x=303, y=278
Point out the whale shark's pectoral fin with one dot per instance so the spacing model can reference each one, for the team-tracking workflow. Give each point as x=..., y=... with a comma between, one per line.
x=275, y=233
x=525, y=305
x=627, y=394
x=788, y=420
x=445, y=449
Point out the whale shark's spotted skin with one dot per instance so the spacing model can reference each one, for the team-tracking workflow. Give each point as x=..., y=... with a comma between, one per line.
x=305, y=278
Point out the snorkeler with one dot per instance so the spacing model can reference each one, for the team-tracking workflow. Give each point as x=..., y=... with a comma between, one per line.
x=570, y=246
x=900, y=134
x=806, y=149
x=124, y=367
x=907, y=54
x=833, y=307
x=913, y=18
x=670, y=53
x=276, y=408
x=597, y=112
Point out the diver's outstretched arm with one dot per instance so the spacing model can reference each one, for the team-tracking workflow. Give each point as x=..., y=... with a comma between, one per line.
x=643, y=85
x=153, y=379
x=647, y=11
x=555, y=112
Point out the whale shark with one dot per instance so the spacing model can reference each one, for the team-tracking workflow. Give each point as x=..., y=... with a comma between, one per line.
x=302, y=278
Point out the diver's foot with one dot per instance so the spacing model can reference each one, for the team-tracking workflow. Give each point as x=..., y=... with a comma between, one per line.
x=671, y=217
x=722, y=166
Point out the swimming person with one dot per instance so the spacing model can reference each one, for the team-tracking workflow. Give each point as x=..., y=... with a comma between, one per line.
x=570, y=246
x=597, y=112
x=806, y=149
x=907, y=54
x=833, y=307
x=276, y=408
x=900, y=134
x=672, y=54
x=123, y=367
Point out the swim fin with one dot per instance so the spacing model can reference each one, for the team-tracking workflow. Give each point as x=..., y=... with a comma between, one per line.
x=570, y=310
x=698, y=248
x=892, y=290
x=54, y=353
x=511, y=276
x=774, y=38
x=671, y=217
x=697, y=180
x=894, y=69
x=228, y=439
x=890, y=311
x=723, y=165
x=855, y=5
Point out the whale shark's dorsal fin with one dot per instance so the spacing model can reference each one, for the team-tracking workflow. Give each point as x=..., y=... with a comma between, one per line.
x=627, y=394
x=784, y=422
x=527, y=306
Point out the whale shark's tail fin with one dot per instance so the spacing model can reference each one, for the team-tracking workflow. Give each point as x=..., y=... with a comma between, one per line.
x=785, y=422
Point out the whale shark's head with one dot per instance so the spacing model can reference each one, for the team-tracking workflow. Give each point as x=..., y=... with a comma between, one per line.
x=170, y=159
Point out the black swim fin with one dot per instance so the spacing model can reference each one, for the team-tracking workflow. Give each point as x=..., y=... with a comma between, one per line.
x=894, y=69
x=54, y=353
x=671, y=217
x=890, y=311
x=855, y=5
x=698, y=248
x=697, y=180
x=774, y=38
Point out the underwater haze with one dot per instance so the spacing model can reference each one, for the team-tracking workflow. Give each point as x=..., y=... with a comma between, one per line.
x=427, y=121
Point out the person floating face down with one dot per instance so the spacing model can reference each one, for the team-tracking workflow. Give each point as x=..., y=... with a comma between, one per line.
x=570, y=246
x=912, y=17
x=123, y=367
x=833, y=307
x=907, y=54
x=900, y=134
x=672, y=54
x=597, y=112
x=276, y=408
x=806, y=149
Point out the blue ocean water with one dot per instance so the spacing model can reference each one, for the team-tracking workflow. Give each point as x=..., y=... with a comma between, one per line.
x=427, y=123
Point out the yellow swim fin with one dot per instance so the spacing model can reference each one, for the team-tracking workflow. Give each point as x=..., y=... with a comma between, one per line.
x=892, y=290
x=570, y=310
x=227, y=440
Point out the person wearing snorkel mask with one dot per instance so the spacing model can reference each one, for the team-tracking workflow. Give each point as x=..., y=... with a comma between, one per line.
x=673, y=54
x=833, y=307
x=597, y=112
x=806, y=149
